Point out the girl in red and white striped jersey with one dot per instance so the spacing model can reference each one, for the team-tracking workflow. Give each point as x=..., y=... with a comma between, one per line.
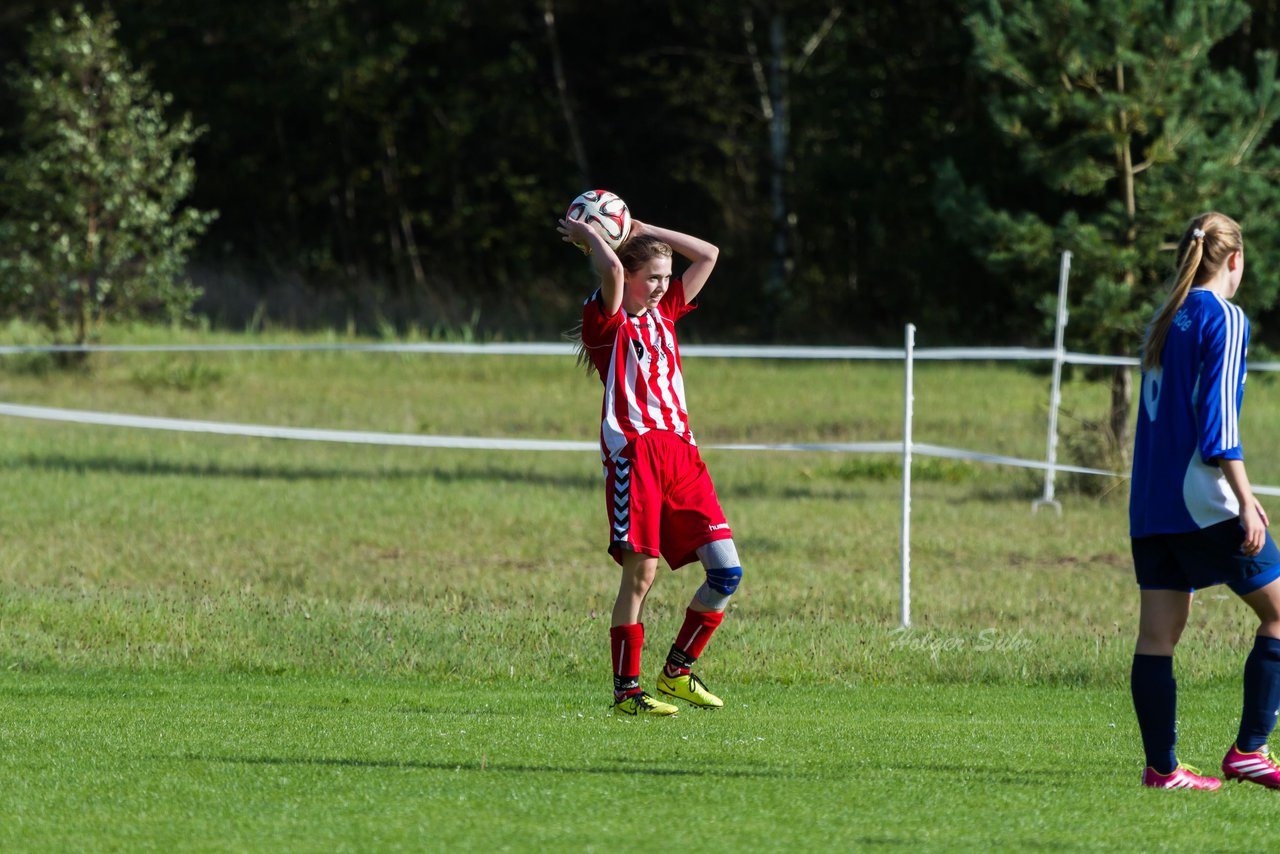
x=658, y=495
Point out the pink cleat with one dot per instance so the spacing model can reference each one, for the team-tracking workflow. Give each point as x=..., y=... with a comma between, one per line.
x=1254, y=767
x=1182, y=777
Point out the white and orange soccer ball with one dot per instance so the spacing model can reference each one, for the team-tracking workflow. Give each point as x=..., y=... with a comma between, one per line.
x=604, y=211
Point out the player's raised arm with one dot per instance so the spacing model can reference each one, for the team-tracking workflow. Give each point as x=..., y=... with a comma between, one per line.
x=701, y=254
x=603, y=259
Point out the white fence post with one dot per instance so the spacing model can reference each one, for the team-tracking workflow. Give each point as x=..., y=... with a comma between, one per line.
x=1055, y=393
x=908, y=396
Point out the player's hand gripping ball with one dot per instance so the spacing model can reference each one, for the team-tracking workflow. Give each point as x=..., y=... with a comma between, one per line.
x=605, y=212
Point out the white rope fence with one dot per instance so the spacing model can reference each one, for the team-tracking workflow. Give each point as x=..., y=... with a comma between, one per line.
x=110, y=419
x=906, y=448
x=908, y=355
x=413, y=440
x=718, y=351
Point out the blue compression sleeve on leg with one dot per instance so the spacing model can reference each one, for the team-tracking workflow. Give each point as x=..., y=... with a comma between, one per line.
x=1261, y=694
x=720, y=560
x=1155, y=700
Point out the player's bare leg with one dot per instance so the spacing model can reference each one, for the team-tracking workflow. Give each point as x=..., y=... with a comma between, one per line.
x=627, y=639
x=638, y=572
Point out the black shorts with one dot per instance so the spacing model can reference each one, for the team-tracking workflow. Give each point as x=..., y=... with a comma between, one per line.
x=1197, y=559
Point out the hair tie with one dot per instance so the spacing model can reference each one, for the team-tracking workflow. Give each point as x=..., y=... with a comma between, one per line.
x=1197, y=234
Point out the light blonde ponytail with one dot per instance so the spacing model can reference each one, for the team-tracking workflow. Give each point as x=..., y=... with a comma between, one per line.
x=1207, y=243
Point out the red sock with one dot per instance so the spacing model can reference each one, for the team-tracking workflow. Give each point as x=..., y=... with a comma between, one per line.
x=626, y=642
x=692, y=639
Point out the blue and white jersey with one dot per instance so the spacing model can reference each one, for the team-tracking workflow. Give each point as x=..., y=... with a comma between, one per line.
x=1190, y=419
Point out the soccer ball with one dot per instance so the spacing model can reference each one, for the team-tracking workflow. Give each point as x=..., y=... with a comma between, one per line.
x=604, y=211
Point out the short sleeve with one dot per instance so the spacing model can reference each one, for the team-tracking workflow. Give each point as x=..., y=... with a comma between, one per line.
x=673, y=304
x=598, y=329
x=599, y=332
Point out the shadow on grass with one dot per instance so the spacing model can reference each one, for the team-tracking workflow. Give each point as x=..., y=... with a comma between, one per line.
x=485, y=766
x=168, y=468
x=143, y=467
x=852, y=771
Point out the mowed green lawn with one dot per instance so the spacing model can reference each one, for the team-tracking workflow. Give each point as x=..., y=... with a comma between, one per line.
x=227, y=643
x=208, y=761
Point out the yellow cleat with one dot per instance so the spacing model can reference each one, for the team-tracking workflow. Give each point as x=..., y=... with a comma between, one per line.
x=690, y=689
x=642, y=705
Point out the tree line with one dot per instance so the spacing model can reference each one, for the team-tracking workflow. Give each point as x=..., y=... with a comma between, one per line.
x=860, y=165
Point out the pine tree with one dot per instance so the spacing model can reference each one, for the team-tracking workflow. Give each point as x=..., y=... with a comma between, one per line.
x=92, y=225
x=1122, y=128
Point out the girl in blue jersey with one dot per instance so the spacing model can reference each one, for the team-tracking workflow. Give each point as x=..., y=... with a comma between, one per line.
x=1193, y=518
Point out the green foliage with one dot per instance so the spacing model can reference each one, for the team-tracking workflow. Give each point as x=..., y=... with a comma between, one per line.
x=179, y=374
x=17, y=333
x=1124, y=128
x=93, y=225
x=406, y=160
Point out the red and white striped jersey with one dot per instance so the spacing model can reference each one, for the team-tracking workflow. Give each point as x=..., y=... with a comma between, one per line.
x=638, y=360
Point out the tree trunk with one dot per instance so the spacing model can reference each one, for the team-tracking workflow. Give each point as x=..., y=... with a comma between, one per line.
x=1118, y=421
x=88, y=281
x=1121, y=380
x=82, y=312
x=778, y=150
x=343, y=203
x=772, y=86
x=562, y=93
x=402, y=218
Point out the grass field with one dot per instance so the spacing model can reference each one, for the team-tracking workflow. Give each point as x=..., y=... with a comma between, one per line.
x=227, y=644
x=235, y=762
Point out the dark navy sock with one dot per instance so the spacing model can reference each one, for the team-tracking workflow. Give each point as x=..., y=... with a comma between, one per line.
x=1155, y=699
x=1261, y=694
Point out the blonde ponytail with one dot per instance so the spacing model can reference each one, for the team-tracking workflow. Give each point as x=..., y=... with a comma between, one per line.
x=1209, y=240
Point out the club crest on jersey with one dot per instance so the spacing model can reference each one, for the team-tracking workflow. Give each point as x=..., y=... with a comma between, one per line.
x=639, y=345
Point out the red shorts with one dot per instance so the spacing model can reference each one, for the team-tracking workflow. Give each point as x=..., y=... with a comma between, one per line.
x=660, y=500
